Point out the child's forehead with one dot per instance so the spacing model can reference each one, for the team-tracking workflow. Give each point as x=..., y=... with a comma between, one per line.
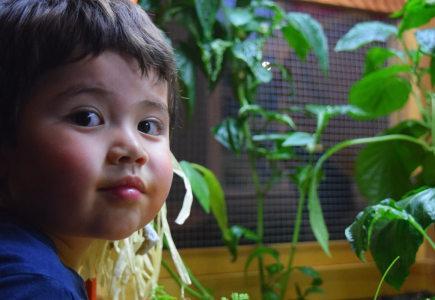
x=95, y=71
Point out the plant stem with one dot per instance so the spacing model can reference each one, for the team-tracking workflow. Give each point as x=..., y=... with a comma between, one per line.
x=376, y=139
x=433, y=120
x=383, y=277
x=258, y=192
x=182, y=284
x=295, y=240
x=421, y=230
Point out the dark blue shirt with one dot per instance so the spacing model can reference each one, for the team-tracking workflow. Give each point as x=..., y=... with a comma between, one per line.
x=30, y=267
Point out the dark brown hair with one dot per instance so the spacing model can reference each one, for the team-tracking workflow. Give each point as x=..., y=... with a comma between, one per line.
x=38, y=35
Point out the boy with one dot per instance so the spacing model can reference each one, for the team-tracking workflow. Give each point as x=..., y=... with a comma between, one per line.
x=88, y=94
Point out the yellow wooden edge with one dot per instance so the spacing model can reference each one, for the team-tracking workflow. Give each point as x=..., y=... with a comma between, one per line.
x=344, y=275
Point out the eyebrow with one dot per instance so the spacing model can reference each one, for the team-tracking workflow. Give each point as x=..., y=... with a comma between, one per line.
x=84, y=89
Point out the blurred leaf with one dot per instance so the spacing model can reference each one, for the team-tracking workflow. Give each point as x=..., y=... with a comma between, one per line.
x=309, y=271
x=385, y=227
x=421, y=206
x=381, y=92
x=317, y=221
x=262, y=74
x=230, y=134
x=236, y=233
x=383, y=169
x=313, y=34
x=285, y=75
x=375, y=58
x=207, y=11
x=332, y=110
x=388, y=231
x=358, y=232
x=199, y=185
x=268, y=115
x=186, y=70
x=299, y=139
x=274, y=269
x=149, y=5
x=426, y=40
x=279, y=12
x=364, y=33
x=239, y=16
x=408, y=5
x=217, y=199
x=432, y=70
x=296, y=40
x=213, y=55
x=268, y=294
x=242, y=3
x=416, y=16
x=249, y=51
x=272, y=136
x=260, y=251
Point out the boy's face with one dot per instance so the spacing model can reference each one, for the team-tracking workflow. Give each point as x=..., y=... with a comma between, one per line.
x=92, y=157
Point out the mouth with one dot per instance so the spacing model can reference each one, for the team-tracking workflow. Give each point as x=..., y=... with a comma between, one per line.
x=129, y=188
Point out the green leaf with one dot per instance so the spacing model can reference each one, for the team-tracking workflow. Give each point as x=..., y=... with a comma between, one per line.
x=426, y=40
x=364, y=33
x=390, y=229
x=186, y=70
x=408, y=6
x=261, y=73
x=230, y=134
x=236, y=233
x=296, y=40
x=274, y=269
x=249, y=51
x=268, y=294
x=383, y=169
x=388, y=232
x=421, y=206
x=207, y=11
x=309, y=271
x=299, y=139
x=260, y=251
x=381, y=92
x=239, y=16
x=313, y=34
x=272, y=136
x=375, y=58
x=432, y=70
x=242, y=3
x=332, y=110
x=416, y=16
x=199, y=185
x=149, y=5
x=317, y=221
x=358, y=232
x=217, y=199
x=213, y=55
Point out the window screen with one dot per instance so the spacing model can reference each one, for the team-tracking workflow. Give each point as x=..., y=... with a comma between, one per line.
x=339, y=195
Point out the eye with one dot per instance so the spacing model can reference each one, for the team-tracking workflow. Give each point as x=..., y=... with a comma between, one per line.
x=149, y=127
x=86, y=119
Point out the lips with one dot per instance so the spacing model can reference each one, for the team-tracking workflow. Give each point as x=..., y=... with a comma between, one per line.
x=129, y=188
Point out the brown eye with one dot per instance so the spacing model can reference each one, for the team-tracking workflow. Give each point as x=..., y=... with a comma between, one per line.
x=149, y=127
x=86, y=119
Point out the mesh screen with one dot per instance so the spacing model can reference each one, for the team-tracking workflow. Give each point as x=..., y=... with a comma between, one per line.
x=339, y=195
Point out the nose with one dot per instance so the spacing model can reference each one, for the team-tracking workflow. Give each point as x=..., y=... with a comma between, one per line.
x=127, y=148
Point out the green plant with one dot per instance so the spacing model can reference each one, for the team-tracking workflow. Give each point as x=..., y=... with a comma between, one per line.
x=393, y=163
x=222, y=36
x=398, y=163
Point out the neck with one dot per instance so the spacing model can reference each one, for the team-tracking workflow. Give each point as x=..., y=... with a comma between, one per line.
x=71, y=250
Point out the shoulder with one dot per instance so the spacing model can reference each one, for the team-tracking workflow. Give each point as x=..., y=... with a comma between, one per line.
x=35, y=287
